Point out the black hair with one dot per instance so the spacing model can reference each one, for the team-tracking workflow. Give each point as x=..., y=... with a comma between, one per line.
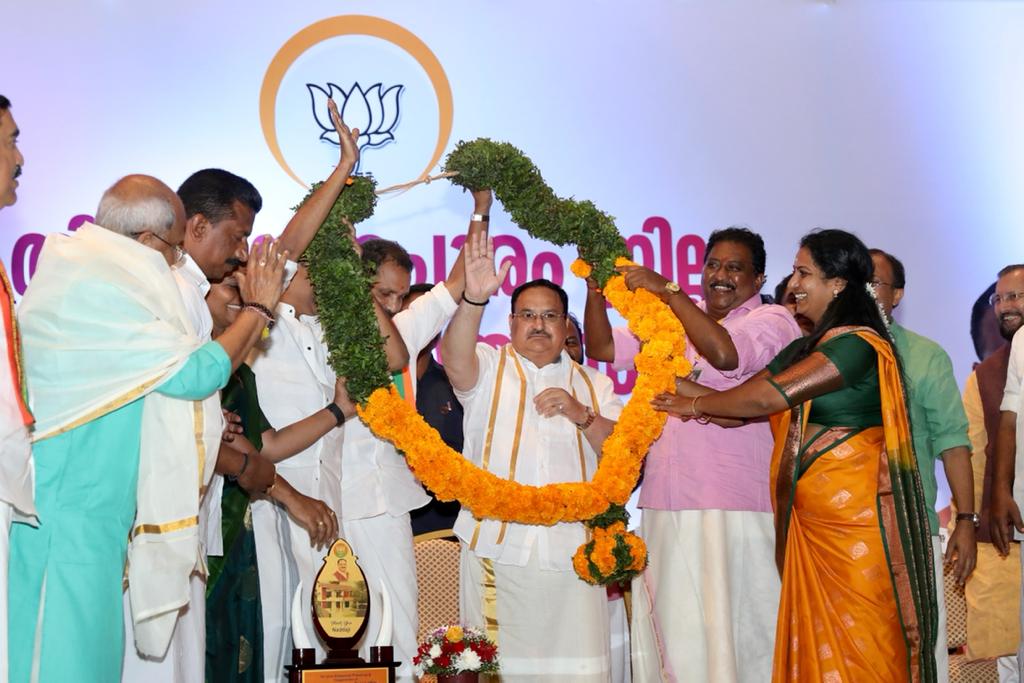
x=745, y=236
x=1009, y=269
x=213, y=192
x=978, y=310
x=5, y=103
x=838, y=253
x=780, y=289
x=899, y=273
x=377, y=251
x=547, y=284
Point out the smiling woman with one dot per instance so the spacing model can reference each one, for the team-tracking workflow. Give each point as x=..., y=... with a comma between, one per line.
x=844, y=444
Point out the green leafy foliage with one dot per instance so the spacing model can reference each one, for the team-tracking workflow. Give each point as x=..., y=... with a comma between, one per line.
x=342, y=290
x=519, y=186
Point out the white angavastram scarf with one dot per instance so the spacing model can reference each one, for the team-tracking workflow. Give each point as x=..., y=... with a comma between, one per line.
x=103, y=324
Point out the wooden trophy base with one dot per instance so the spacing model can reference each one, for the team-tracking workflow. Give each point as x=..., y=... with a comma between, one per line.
x=341, y=670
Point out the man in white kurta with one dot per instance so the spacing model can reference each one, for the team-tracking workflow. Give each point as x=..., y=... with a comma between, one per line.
x=534, y=416
x=15, y=419
x=379, y=491
x=294, y=381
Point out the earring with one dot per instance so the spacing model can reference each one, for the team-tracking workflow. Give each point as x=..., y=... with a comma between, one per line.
x=835, y=293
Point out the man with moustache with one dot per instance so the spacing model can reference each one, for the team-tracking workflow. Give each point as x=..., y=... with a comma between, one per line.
x=939, y=432
x=993, y=608
x=15, y=418
x=220, y=209
x=378, y=491
x=711, y=582
x=534, y=416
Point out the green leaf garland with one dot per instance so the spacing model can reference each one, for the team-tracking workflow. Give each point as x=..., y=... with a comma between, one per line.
x=341, y=286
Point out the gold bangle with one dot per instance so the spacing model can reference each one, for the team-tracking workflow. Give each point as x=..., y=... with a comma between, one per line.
x=693, y=407
x=273, y=483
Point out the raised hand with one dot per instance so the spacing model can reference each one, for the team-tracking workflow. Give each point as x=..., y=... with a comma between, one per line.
x=347, y=138
x=263, y=278
x=481, y=278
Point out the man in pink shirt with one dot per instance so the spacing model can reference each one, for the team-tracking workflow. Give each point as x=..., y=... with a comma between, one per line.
x=705, y=608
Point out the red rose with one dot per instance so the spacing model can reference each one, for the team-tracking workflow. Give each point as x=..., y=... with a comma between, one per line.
x=443, y=661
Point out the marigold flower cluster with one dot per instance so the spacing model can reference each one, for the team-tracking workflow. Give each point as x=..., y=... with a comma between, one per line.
x=613, y=555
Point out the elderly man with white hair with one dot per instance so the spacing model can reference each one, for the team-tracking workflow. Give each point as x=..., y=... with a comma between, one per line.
x=117, y=380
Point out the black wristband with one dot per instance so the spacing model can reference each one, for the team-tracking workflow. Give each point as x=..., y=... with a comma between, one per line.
x=339, y=417
x=474, y=303
x=245, y=464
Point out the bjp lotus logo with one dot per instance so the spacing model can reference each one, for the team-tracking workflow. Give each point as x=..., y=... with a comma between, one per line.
x=373, y=111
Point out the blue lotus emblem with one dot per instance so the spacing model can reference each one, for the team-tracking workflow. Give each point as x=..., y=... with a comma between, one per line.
x=374, y=111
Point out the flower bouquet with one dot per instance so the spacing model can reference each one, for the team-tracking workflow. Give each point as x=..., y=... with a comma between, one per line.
x=456, y=653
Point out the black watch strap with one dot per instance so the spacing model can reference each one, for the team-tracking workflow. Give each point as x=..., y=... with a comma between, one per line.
x=339, y=417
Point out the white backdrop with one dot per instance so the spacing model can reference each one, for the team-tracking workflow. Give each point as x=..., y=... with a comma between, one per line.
x=900, y=121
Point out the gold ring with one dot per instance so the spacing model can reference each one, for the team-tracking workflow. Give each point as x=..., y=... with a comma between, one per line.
x=263, y=261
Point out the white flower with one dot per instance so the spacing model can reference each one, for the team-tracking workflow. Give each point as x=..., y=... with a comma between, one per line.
x=468, y=660
x=435, y=651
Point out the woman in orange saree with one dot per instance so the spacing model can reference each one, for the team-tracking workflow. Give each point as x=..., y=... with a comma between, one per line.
x=852, y=537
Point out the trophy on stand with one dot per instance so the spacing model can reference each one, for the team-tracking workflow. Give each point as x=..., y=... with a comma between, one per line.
x=341, y=610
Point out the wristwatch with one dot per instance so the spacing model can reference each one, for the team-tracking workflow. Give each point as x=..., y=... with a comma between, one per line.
x=671, y=288
x=973, y=516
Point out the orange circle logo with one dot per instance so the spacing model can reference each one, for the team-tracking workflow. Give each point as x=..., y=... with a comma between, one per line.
x=361, y=25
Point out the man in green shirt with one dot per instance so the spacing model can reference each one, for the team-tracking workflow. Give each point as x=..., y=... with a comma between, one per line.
x=939, y=427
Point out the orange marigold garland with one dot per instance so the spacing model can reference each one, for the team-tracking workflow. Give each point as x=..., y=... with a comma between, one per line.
x=615, y=553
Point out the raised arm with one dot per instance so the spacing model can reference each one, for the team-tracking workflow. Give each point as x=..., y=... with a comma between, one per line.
x=711, y=340
x=458, y=345
x=310, y=216
x=598, y=342
x=456, y=281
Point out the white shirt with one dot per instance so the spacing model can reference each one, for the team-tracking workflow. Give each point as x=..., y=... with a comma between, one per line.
x=1013, y=401
x=377, y=479
x=15, y=445
x=551, y=449
x=294, y=381
x=194, y=287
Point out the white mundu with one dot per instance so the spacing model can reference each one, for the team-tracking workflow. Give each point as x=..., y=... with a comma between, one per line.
x=185, y=661
x=515, y=576
x=293, y=380
x=378, y=492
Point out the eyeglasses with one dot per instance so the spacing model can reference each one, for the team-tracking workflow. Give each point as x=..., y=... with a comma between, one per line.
x=547, y=317
x=179, y=253
x=1009, y=297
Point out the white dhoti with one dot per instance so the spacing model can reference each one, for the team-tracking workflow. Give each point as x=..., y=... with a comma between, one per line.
x=383, y=547
x=941, y=639
x=6, y=515
x=548, y=625
x=285, y=557
x=185, y=661
x=705, y=608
